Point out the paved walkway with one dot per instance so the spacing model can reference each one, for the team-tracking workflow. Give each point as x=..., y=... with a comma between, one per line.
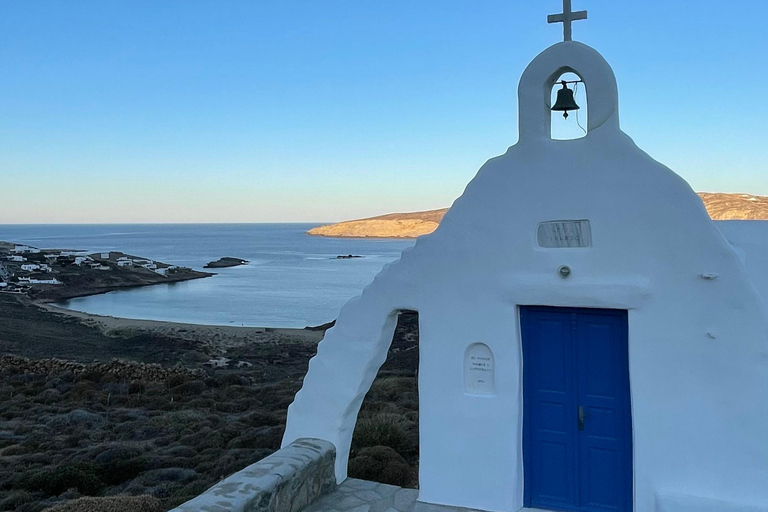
x=364, y=496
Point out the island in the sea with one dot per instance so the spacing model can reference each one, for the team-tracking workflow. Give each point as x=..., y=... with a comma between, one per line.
x=415, y=224
x=226, y=262
x=49, y=275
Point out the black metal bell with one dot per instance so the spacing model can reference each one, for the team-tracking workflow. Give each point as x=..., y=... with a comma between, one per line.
x=565, y=101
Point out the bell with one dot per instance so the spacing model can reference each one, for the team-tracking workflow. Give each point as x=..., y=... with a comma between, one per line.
x=565, y=101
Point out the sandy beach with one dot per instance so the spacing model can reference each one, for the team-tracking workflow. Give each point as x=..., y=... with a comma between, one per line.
x=215, y=339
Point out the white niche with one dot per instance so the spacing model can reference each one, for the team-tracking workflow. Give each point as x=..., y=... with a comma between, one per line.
x=479, y=370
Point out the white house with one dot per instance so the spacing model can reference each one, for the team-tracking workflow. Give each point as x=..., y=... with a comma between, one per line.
x=38, y=281
x=124, y=263
x=589, y=339
x=79, y=260
x=26, y=249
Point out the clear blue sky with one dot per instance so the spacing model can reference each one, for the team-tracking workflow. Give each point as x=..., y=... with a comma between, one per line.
x=306, y=110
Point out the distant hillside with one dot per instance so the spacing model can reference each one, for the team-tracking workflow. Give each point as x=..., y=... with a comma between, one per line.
x=394, y=225
x=412, y=225
x=735, y=206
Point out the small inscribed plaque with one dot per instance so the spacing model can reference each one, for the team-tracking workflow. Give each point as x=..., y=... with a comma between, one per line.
x=565, y=233
x=478, y=370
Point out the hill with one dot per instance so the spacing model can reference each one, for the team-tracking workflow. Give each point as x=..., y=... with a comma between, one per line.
x=415, y=224
x=393, y=225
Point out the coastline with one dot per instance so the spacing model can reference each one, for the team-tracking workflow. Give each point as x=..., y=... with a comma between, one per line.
x=107, y=289
x=218, y=338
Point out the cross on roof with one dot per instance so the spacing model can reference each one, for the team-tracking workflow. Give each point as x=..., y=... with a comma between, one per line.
x=566, y=18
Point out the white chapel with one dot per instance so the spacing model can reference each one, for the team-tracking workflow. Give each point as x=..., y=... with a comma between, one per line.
x=590, y=340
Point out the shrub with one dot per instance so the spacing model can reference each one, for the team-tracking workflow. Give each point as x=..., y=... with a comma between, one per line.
x=137, y=386
x=113, y=504
x=48, y=396
x=109, y=378
x=233, y=379
x=393, y=389
x=15, y=449
x=90, y=376
x=381, y=464
x=386, y=430
x=205, y=438
x=115, y=388
x=231, y=461
x=54, y=481
x=119, y=464
x=83, y=391
x=260, y=418
x=181, y=451
x=85, y=418
x=176, y=380
x=191, y=388
x=159, y=476
x=262, y=437
x=67, y=376
x=16, y=499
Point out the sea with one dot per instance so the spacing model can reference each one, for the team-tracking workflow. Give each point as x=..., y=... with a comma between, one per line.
x=293, y=279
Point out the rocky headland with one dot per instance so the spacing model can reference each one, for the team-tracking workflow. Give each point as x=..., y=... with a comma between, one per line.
x=416, y=224
x=50, y=275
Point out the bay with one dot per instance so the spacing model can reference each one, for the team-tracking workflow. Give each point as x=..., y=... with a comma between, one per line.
x=292, y=280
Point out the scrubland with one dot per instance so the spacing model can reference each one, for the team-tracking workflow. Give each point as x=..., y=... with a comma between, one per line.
x=69, y=434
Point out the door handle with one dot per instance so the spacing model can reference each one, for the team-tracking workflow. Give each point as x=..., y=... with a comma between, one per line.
x=582, y=415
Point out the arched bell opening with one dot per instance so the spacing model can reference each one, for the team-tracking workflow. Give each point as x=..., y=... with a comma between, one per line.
x=568, y=100
x=385, y=442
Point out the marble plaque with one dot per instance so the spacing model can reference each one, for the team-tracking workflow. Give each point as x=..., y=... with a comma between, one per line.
x=478, y=370
x=565, y=233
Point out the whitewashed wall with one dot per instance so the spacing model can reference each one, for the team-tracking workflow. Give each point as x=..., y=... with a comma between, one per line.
x=698, y=347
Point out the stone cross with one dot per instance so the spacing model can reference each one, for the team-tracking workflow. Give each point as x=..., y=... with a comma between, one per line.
x=566, y=18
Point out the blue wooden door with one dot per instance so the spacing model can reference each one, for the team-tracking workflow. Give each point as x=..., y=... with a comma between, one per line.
x=577, y=425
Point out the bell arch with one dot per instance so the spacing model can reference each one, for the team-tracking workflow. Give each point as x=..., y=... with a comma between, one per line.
x=534, y=91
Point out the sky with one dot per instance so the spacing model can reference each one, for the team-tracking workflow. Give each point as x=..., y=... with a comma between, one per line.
x=307, y=110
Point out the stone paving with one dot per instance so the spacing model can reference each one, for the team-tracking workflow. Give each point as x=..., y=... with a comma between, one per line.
x=364, y=496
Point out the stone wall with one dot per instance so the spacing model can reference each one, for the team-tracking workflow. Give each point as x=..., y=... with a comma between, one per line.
x=286, y=481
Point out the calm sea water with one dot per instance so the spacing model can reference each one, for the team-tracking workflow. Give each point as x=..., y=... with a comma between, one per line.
x=293, y=279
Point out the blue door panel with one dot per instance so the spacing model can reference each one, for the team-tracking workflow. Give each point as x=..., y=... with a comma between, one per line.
x=576, y=358
x=553, y=476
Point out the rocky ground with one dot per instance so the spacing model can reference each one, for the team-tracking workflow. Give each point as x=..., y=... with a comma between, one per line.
x=160, y=424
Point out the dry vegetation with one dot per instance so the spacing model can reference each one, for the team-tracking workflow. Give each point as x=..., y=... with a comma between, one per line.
x=95, y=430
x=64, y=435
